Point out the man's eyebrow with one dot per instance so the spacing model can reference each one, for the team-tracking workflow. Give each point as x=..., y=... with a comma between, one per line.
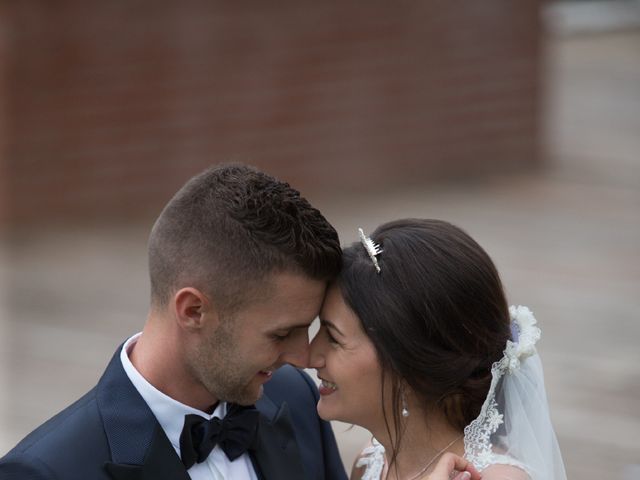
x=294, y=326
x=330, y=325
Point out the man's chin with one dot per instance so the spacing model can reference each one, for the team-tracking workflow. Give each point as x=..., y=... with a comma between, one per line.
x=250, y=398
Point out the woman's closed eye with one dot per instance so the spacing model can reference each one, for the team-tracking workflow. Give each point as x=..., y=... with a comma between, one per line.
x=332, y=340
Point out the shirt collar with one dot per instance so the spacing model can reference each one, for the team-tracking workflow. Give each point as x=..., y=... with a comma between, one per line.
x=170, y=413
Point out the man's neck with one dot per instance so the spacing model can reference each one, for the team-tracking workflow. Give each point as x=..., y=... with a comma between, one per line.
x=159, y=357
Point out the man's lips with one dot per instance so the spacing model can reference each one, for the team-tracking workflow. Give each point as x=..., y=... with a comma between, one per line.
x=265, y=375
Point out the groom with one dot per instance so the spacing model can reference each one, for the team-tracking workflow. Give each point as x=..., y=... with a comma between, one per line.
x=238, y=263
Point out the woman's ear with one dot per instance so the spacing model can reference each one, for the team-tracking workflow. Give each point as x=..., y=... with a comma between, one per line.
x=193, y=309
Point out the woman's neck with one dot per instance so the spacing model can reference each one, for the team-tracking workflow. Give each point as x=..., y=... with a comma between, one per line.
x=425, y=437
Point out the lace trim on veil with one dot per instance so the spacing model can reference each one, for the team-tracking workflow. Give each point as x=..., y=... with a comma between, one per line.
x=477, y=435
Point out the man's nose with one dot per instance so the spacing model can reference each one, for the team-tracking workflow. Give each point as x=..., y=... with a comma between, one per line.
x=298, y=354
x=316, y=359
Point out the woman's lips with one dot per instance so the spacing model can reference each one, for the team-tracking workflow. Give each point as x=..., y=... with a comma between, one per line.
x=326, y=387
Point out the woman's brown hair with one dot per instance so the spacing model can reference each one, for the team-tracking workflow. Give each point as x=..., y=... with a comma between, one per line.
x=436, y=314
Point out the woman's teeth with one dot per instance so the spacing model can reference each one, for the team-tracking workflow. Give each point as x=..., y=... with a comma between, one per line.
x=330, y=385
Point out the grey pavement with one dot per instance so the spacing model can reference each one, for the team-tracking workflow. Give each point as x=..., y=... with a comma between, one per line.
x=566, y=239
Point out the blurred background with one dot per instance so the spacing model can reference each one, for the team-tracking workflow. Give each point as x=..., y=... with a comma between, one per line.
x=516, y=120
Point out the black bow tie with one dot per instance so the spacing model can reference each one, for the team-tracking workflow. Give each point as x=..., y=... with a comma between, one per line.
x=234, y=433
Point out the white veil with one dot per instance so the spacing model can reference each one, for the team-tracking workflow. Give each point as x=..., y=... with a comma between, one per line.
x=514, y=426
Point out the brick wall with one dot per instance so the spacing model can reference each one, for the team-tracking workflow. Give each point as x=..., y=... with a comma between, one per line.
x=4, y=64
x=113, y=104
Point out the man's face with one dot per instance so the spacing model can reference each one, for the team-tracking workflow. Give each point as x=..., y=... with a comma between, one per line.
x=239, y=356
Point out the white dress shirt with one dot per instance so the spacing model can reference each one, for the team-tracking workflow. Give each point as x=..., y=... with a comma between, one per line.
x=170, y=415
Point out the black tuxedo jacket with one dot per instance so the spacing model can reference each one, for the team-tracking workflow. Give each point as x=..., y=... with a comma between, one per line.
x=111, y=434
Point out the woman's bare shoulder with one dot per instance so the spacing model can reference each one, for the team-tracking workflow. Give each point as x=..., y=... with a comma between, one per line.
x=504, y=472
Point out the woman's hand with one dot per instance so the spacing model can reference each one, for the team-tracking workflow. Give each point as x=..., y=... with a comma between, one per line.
x=449, y=463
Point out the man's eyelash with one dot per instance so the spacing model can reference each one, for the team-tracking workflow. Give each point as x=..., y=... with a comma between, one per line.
x=276, y=336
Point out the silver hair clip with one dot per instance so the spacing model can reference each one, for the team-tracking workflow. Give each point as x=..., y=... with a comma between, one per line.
x=372, y=248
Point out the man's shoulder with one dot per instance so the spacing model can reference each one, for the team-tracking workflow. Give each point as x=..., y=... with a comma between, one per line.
x=317, y=444
x=292, y=385
x=56, y=428
x=74, y=431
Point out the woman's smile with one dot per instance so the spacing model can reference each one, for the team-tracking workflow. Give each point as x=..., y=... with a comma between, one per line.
x=326, y=387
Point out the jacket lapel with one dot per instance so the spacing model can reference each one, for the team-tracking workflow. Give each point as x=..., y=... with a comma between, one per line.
x=160, y=462
x=140, y=450
x=275, y=450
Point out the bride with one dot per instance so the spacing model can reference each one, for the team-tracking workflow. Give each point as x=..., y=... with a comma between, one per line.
x=418, y=346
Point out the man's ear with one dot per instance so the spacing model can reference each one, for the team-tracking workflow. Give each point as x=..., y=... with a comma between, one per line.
x=193, y=309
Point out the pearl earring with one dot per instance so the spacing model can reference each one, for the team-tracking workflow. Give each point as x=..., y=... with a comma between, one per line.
x=405, y=410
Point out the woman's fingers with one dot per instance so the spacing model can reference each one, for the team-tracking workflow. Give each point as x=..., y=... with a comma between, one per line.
x=462, y=476
x=450, y=462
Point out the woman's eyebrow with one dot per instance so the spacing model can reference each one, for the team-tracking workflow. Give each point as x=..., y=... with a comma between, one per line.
x=330, y=325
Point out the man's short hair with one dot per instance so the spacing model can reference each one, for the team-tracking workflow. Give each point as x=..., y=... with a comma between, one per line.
x=228, y=228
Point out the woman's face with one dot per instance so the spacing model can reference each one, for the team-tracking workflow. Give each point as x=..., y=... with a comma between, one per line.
x=347, y=364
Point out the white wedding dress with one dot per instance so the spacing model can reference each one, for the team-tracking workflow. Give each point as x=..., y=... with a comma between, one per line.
x=373, y=459
x=513, y=428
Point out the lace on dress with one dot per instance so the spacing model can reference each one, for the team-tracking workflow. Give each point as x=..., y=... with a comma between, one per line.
x=373, y=459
